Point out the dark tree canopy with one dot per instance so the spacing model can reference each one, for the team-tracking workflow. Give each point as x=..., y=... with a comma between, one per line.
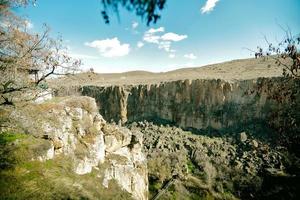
x=148, y=10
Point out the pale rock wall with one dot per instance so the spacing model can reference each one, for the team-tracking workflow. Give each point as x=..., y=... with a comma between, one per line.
x=48, y=155
x=75, y=129
x=96, y=155
x=199, y=104
x=131, y=173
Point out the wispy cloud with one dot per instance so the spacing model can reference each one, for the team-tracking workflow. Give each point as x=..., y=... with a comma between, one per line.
x=110, y=47
x=151, y=37
x=173, y=37
x=160, y=29
x=172, y=55
x=190, y=56
x=209, y=6
x=134, y=25
x=163, y=41
x=140, y=44
x=165, y=45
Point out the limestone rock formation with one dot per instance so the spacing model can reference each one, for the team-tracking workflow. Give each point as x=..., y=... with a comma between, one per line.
x=198, y=104
x=72, y=127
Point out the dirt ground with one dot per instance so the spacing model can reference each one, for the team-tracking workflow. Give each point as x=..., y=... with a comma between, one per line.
x=230, y=71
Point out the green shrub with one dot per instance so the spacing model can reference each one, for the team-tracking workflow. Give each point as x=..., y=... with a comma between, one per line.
x=8, y=137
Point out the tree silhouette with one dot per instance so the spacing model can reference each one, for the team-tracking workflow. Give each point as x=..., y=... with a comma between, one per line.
x=285, y=120
x=23, y=55
x=148, y=10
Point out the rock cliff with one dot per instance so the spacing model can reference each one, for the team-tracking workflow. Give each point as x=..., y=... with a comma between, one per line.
x=73, y=129
x=198, y=104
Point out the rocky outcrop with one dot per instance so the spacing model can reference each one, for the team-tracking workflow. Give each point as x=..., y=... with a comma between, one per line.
x=198, y=104
x=201, y=163
x=128, y=167
x=73, y=128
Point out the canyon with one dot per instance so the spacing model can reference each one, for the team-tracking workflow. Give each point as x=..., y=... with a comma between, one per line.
x=198, y=133
x=210, y=98
x=196, y=104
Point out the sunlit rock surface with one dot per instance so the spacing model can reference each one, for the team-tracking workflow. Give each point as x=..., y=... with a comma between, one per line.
x=198, y=104
x=72, y=127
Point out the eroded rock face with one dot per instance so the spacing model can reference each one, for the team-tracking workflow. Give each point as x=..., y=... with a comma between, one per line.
x=96, y=155
x=49, y=154
x=74, y=128
x=199, y=104
x=127, y=162
x=129, y=168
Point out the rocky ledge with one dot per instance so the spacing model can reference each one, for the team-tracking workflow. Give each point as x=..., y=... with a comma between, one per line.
x=71, y=128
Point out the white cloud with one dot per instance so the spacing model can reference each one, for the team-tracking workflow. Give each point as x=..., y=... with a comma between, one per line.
x=165, y=45
x=190, y=56
x=150, y=38
x=163, y=41
x=134, y=25
x=110, y=47
x=171, y=55
x=173, y=37
x=140, y=44
x=160, y=29
x=209, y=6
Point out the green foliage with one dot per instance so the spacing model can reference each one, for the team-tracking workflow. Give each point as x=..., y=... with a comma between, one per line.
x=8, y=157
x=205, y=167
x=154, y=186
x=146, y=9
x=17, y=148
x=191, y=166
x=43, y=86
x=160, y=168
x=8, y=137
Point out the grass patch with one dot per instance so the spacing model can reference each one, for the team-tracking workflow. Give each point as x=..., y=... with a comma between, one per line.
x=191, y=167
x=55, y=179
x=8, y=137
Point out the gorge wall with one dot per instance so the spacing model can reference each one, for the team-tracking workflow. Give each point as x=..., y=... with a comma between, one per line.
x=197, y=104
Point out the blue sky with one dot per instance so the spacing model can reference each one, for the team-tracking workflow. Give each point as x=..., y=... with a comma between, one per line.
x=190, y=33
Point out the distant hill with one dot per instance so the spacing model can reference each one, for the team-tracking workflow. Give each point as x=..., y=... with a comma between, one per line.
x=243, y=69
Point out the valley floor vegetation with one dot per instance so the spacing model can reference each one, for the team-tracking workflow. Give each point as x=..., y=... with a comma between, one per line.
x=206, y=167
